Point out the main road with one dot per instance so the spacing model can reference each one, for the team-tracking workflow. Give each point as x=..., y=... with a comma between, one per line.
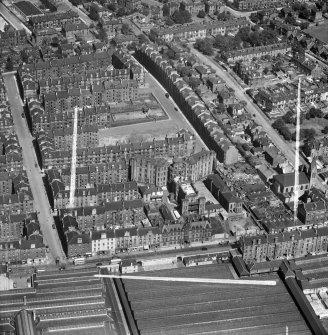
x=251, y=107
x=12, y=19
x=41, y=201
x=254, y=110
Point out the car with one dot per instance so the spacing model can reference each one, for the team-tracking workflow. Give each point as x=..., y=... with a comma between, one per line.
x=23, y=115
x=176, y=109
x=204, y=248
x=53, y=226
x=98, y=264
x=167, y=95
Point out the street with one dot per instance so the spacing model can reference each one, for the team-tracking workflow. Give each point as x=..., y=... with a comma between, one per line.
x=41, y=202
x=85, y=18
x=171, y=108
x=235, y=12
x=259, y=118
x=316, y=60
x=12, y=19
x=251, y=108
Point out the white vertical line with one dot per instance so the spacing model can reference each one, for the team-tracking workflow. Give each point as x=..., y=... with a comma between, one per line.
x=73, y=165
x=297, y=149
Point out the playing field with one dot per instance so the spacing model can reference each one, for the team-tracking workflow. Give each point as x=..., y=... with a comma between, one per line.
x=320, y=32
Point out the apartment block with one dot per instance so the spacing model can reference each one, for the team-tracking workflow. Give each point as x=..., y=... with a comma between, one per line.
x=148, y=170
x=292, y=244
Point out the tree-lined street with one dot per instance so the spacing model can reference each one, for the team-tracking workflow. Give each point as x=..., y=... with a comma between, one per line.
x=251, y=107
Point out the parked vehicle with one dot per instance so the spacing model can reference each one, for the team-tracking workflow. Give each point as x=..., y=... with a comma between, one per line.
x=78, y=261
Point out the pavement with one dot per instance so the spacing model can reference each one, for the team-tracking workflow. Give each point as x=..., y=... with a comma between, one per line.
x=12, y=19
x=176, y=120
x=316, y=59
x=41, y=202
x=172, y=108
x=238, y=13
x=235, y=12
x=259, y=117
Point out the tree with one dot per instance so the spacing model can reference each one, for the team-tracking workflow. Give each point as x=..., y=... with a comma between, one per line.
x=102, y=35
x=298, y=51
x=94, y=15
x=285, y=132
x=325, y=130
x=169, y=21
x=125, y=29
x=76, y=2
x=153, y=36
x=265, y=70
x=278, y=124
x=121, y=12
x=288, y=117
x=146, y=11
x=304, y=25
x=9, y=64
x=194, y=82
x=205, y=46
x=290, y=20
x=307, y=133
x=181, y=16
x=55, y=41
x=171, y=54
x=305, y=13
x=201, y=14
x=24, y=56
x=185, y=71
x=142, y=39
x=313, y=113
x=166, y=10
x=112, y=7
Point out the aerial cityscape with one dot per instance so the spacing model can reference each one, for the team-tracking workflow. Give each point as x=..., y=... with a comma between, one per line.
x=163, y=167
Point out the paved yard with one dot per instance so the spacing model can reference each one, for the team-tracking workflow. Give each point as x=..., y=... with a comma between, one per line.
x=150, y=130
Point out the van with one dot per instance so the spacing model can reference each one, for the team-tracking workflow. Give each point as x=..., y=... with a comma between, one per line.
x=78, y=261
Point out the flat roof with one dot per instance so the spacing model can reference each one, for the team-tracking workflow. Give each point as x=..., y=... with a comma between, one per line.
x=187, y=189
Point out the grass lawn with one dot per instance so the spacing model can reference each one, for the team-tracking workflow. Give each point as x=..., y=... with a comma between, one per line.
x=320, y=32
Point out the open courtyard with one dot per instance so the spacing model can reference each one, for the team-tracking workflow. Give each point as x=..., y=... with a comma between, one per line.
x=156, y=127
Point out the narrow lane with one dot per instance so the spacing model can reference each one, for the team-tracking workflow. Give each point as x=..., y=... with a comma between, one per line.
x=41, y=201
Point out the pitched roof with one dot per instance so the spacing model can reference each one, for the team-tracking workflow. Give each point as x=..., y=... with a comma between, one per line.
x=288, y=179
